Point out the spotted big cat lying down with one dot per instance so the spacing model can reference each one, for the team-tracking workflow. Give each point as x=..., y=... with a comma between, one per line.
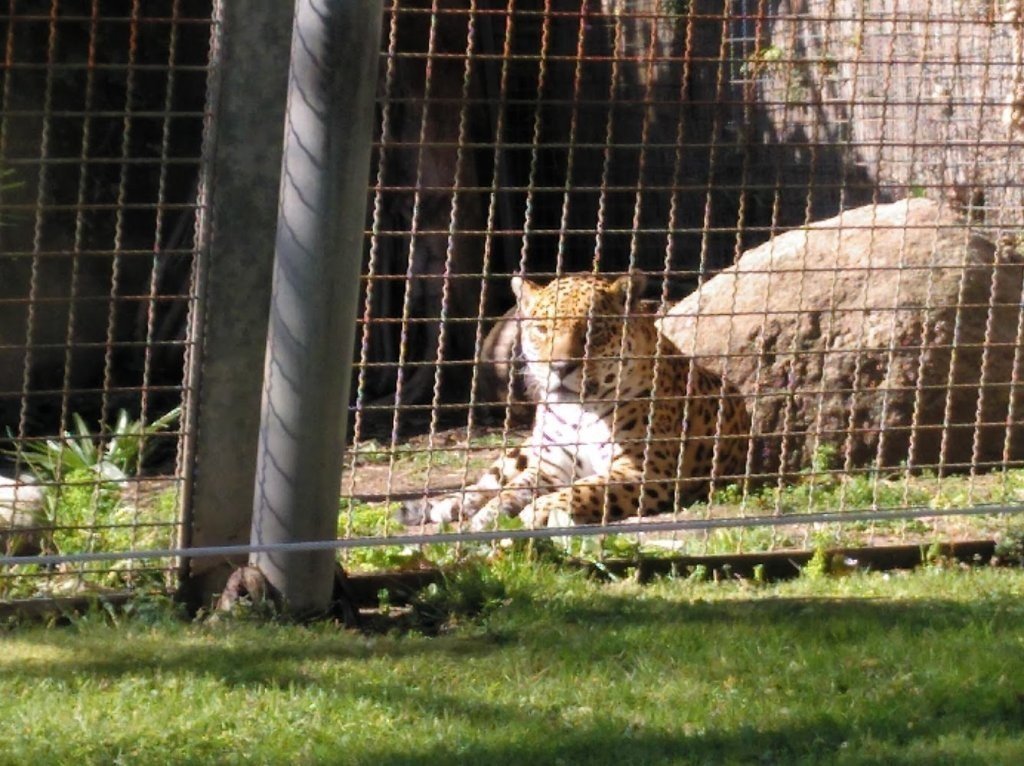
x=625, y=424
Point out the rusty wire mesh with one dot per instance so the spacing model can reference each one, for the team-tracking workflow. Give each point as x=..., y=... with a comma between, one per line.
x=878, y=353
x=101, y=121
x=823, y=198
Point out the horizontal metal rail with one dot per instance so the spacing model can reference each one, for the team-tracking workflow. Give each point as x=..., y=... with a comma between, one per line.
x=587, y=530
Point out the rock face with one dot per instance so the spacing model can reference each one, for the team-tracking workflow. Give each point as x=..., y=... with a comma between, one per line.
x=891, y=333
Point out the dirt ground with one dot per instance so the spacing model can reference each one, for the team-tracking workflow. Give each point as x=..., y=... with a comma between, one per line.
x=443, y=462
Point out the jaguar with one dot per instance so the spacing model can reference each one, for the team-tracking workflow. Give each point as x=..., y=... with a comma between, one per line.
x=625, y=423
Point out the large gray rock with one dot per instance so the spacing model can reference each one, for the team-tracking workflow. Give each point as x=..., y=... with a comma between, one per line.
x=890, y=332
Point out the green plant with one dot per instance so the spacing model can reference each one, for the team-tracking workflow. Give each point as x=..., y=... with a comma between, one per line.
x=763, y=61
x=86, y=506
x=112, y=454
x=466, y=592
x=1010, y=547
x=356, y=519
x=819, y=565
x=88, y=514
x=698, y=573
x=759, y=576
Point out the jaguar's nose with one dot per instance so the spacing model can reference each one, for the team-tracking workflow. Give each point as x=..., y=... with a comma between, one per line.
x=565, y=367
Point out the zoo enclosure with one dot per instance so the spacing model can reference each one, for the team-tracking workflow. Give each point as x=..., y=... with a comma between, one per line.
x=876, y=354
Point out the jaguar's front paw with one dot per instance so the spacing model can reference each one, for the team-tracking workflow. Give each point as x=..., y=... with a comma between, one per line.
x=542, y=513
x=534, y=517
x=485, y=519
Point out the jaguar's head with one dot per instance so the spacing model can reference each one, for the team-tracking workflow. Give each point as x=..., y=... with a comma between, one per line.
x=574, y=333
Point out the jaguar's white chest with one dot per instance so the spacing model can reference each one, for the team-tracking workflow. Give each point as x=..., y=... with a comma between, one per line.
x=574, y=439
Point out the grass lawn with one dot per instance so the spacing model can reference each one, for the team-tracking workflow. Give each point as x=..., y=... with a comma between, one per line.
x=918, y=668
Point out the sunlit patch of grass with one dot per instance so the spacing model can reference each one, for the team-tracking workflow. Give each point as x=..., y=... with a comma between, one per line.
x=922, y=667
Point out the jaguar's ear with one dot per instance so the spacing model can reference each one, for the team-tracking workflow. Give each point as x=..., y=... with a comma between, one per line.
x=630, y=287
x=523, y=289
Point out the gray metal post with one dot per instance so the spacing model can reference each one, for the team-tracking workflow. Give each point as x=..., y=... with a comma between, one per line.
x=242, y=176
x=328, y=133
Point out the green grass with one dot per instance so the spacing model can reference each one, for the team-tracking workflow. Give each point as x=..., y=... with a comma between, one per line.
x=917, y=668
x=375, y=520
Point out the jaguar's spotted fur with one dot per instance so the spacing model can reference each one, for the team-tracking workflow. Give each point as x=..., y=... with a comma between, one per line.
x=617, y=404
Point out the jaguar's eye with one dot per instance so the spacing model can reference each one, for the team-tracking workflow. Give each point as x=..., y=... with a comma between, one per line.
x=540, y=329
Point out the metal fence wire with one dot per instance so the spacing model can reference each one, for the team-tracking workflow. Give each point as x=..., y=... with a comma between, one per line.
x=690, y=276
x=875, y=346
x=101, y=122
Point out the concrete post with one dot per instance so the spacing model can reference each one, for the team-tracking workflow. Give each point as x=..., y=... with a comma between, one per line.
x=235, y=243
x=328, y=133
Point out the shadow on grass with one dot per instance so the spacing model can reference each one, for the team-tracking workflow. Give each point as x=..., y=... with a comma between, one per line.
x=227, y=650
x=865, y=616
x=952, y=715
x=276, y=658
x=981, y=732
x=815, y=741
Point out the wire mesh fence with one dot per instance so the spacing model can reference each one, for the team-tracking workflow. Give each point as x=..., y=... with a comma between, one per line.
x=814, y=208
x=875, y=347
x=101, y=121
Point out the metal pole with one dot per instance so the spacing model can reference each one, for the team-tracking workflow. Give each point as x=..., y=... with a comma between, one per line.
x=235, y=243
x=328, y=133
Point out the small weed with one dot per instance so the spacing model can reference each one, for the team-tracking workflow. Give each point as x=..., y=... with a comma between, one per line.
x=763, y=61
x=824, y=459
x=417, y=459
x=759, y=576
x=466, y=592
x=87, y=512
x=730, y=494
x=147, y=609
x=371, y=452
x=1010, y=548
x=698, y=573
x=494, y=440
x=825, y=564
x=356, y=519
x=819, y=565
x=154, y=609
x=739, y=539
x=384, y=601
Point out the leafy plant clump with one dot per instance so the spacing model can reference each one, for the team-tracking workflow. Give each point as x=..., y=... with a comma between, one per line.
x=84, y=476
x=112, y=454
